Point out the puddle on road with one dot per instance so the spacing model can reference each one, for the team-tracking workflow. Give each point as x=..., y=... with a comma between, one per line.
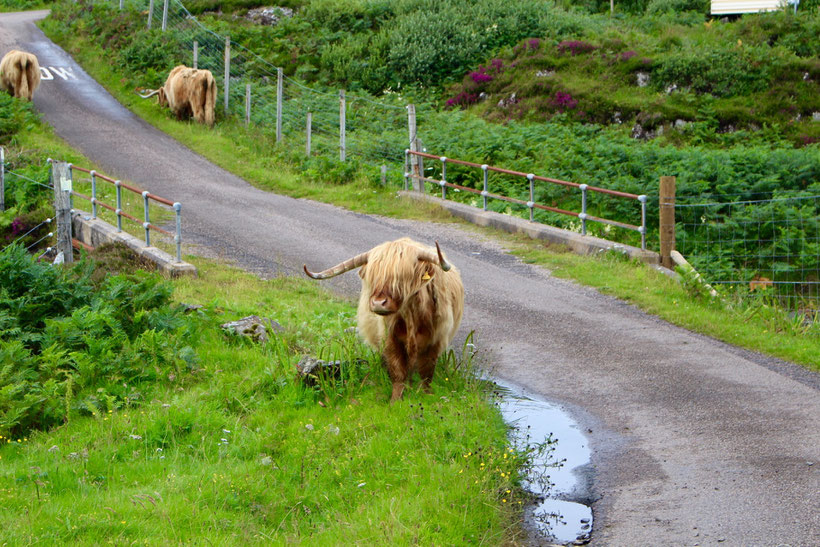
x=559, y=451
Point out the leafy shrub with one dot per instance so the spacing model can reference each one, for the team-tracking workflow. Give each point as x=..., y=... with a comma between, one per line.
x=657, y=7
x=721, y=72
x=15, y=114
x=68, y=346
x=575, y=47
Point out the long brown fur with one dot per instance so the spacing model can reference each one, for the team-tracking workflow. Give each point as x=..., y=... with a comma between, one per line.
x=19, y=74
x=190, y=92
x=425, y=309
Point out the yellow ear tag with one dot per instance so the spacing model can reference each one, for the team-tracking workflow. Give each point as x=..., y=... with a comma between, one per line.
x=426, y=277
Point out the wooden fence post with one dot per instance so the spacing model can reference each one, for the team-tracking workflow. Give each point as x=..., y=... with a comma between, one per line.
x=164, y=15
x=247, y=105
x=415, y=172
x=150, y=13
x=666, y=206
x=308, y=130
x=61, y=181
x=227, y=83
x=280, y=91
x=342, y=123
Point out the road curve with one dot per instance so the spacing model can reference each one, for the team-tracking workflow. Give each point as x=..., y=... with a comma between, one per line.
x=694, y=442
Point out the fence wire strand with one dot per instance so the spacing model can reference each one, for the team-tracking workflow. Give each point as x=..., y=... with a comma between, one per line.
x=756, y=247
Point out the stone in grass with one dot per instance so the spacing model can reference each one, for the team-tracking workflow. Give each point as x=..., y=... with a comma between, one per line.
x=311, y=369
x=254, y=327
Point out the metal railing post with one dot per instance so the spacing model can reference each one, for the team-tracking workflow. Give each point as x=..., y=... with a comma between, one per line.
x=642, y=198
x=150, y=13
x=531, y=202
x=484, y=192
x=147, y=222
x=443, y=182
x=196, y=54
x=119, y=205
x=178, y=235
x=71, y=183
x=93, y=195
x=583, y=214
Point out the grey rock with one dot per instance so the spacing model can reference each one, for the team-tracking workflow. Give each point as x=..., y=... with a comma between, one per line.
x=311, y=369
x=268, y=15
x=254, y=327
x=643, y=79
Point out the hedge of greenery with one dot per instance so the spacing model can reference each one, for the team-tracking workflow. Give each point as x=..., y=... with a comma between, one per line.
x=69, y=346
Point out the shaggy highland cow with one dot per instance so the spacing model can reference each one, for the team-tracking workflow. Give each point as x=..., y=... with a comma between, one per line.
x=410, y=306
x=19, y=74
x=188, y=92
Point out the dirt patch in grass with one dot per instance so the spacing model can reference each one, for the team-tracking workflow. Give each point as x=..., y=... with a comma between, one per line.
x=117, y=258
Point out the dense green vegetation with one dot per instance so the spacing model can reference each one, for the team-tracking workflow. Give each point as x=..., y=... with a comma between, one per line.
x=68, y=346
x=26, y=199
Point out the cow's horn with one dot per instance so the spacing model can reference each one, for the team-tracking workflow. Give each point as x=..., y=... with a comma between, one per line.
x=428, y=256
x=148, y=95
x=347, y=265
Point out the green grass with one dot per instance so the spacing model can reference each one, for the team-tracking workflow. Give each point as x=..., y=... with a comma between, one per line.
x=754, y=325
x=239, y=451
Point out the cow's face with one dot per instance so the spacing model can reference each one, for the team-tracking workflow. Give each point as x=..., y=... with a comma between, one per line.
x=390, y=287
x=162, y=99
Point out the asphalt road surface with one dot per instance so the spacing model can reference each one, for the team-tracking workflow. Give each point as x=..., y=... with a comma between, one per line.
x=694, y=442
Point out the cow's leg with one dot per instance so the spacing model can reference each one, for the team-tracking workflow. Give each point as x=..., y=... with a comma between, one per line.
x=427, y=365
x=395, y=358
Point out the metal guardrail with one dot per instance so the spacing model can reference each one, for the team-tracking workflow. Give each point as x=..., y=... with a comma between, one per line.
x=485, y=194
x=146, y=196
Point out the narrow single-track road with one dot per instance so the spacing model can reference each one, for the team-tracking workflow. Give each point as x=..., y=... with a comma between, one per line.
x=694, y=441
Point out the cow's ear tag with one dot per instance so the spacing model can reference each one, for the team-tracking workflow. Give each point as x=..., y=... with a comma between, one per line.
x=426, y=277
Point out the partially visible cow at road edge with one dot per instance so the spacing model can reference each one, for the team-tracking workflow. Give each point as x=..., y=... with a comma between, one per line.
x=19, y=74
x=188, y=92
x=410, y=306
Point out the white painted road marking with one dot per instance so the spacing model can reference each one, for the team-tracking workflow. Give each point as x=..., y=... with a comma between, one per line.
x=65, y=73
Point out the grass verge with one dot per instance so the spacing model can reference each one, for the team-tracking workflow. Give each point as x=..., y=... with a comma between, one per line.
x=751, y=324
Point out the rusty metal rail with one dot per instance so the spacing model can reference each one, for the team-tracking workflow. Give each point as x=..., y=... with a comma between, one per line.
x=146, y=197
x=485, y=194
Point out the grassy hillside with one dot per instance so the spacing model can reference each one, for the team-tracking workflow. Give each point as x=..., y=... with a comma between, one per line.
x=662, y=64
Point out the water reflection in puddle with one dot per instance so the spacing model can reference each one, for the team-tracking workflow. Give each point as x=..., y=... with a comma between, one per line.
x=559, y=451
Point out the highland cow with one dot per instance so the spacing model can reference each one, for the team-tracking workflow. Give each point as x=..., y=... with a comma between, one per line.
x=188, y=92
x=410, y=306
x=19, y=74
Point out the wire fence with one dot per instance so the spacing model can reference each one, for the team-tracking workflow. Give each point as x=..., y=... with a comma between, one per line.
x=341, y=126
x=22, y=188
x=766, y=247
